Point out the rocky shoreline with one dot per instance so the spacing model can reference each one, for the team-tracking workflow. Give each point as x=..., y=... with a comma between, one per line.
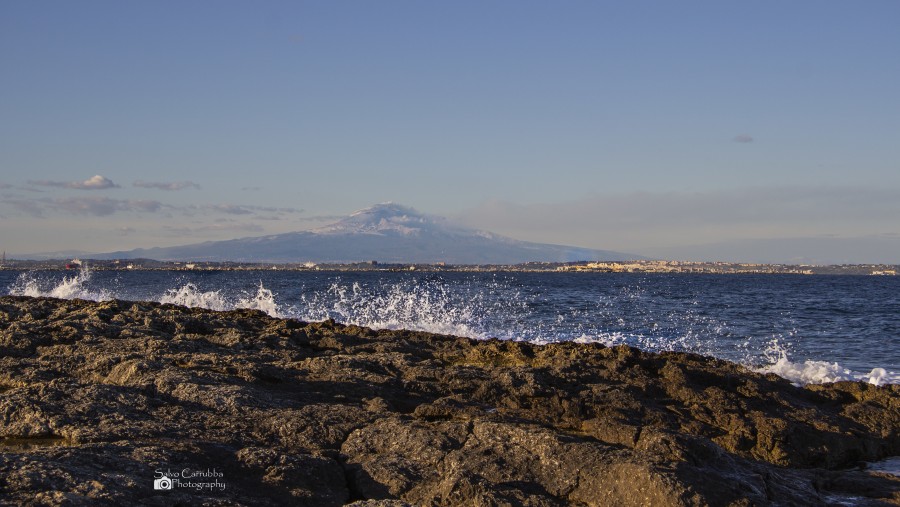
x=98, y=400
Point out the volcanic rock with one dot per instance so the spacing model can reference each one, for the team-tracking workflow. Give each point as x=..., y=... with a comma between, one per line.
x=97, y=400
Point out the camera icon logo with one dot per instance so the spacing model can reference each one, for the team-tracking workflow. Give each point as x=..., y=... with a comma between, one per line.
x=163, y=483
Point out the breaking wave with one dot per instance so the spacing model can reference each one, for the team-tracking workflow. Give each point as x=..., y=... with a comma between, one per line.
x=818, y=372
x=35, y=284
x=478, y=307
x=432, y=306
x=190, y=295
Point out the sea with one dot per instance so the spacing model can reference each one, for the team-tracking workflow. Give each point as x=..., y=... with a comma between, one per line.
x=807, y=329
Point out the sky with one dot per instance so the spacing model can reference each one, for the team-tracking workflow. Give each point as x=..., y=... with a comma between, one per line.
x=688, y=129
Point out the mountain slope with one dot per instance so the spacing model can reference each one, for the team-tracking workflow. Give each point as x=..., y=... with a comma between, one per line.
x=387, y=233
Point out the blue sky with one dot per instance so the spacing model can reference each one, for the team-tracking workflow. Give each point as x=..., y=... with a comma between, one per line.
x=635, y=126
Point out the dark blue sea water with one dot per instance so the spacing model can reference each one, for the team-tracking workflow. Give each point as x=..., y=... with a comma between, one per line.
x=805, y=328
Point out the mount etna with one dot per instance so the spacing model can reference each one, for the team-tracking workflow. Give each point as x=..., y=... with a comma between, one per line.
x=386, y=232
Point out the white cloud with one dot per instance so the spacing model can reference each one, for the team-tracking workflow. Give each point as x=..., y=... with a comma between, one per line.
x=96, y=182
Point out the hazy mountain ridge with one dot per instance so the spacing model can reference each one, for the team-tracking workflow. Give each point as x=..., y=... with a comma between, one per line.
x=386, y=232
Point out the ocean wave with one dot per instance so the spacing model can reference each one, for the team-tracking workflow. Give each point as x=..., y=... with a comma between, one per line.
x=192, y=296
x=473, y=308
x=818, y=372
x=429, y=307
x=75, y=287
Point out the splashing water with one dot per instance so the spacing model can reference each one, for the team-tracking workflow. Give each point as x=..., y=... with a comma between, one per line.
x=430, y=306
x=75, y=287
x=263, y=300
x=817, y=372
x=769, y=332
x=190, y=295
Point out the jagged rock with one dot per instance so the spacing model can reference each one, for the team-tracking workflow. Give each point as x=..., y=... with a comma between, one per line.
x=99, y=399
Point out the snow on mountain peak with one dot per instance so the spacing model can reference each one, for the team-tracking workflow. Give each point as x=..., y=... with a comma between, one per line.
x=387, y=217
x=386, y=232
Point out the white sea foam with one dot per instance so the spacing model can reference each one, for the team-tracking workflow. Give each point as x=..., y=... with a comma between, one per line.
x=779, y=363
x=607, y=339
x=818, y=372
x=190, y=295
x=880, y=376
x=686, y=342
x=808, y=372
x=74, y=287
x=263, y=300
x=474, y=308
x=427, y=307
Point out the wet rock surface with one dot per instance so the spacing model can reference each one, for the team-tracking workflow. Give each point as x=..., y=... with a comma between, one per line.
x=95, y=398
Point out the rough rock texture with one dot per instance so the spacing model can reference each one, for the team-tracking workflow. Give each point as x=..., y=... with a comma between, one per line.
x=96, y=397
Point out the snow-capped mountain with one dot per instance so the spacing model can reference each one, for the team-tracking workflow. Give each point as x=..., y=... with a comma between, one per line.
x=387, y=233
x=385, y=218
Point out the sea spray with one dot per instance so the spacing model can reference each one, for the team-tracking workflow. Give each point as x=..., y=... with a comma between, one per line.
x=44, y=284
x=817, y=372
x=263, y=300
x=190, y=295
x=430, y=306
x=809, y=329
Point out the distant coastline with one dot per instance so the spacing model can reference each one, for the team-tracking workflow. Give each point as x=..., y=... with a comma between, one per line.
x=637, y=266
